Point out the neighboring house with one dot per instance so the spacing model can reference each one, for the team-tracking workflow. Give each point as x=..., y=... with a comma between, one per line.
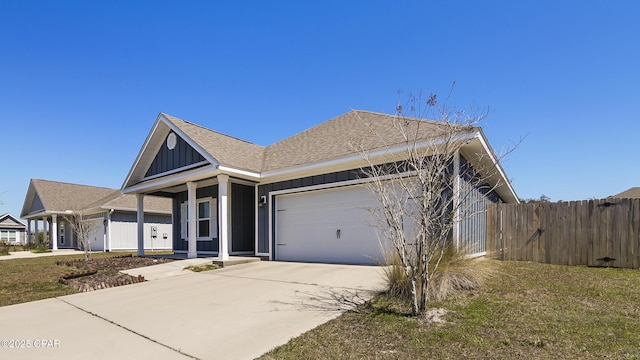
x=53, y=204
x=12, y=230
x=632, y=193
x=300, y=199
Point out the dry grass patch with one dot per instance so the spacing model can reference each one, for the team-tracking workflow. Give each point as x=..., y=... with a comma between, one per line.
x=456, y=272
x=525, y=310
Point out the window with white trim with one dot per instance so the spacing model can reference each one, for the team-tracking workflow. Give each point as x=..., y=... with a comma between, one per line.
x=207, y=219
x=10, y=236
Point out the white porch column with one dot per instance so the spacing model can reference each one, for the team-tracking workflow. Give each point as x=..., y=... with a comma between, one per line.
x=28, y=239
x=192, y=206
x=44, y=230
x=54, y=231
x=35, y=238
x=223, y=217
x=140, y=220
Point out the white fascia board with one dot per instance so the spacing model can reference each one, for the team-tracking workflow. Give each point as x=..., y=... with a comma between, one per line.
x=153, y=133
x=496, y=163
x=177, y=179
x=390, y=154
x=108, y=208
x=47, y=213
x=178, y=170
x=190, y=141
x=10, y=216
x=141, y=152
x=246, y=173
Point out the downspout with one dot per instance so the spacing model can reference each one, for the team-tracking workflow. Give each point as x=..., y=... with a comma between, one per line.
x=109, y=230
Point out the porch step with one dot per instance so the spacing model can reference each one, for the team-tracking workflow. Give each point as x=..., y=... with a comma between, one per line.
x=235, y=260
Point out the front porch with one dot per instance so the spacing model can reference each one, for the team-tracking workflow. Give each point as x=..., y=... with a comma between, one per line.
x=212, y=217
x=55, y=230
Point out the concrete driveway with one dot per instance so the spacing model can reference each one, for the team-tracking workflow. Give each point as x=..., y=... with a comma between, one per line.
x=239, y=312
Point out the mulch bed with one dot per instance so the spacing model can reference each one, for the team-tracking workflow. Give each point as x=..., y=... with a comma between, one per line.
x=104, y=273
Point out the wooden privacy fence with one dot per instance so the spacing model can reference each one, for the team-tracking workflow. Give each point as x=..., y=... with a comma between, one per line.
x=594, y=232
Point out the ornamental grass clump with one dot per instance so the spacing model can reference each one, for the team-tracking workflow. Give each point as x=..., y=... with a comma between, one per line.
x=456, y=272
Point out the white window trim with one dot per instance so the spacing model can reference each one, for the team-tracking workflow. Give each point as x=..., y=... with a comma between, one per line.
x=5, y=235
x=213, y=219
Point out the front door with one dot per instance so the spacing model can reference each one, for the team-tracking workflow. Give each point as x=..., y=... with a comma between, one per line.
x=242, y=219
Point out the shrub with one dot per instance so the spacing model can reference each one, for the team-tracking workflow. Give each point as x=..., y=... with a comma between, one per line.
x=41, y=248
x=4, y=248
x=456, y=272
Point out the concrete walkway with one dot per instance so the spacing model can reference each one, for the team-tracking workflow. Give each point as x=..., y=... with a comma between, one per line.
x=169, y=269
x=238, y=312
x=29, y=254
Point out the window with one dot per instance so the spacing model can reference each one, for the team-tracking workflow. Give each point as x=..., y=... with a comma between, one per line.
x=207, y=219
x=10, y=236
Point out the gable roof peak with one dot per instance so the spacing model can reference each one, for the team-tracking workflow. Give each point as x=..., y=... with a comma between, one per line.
x=174, y=119
x=42, y=181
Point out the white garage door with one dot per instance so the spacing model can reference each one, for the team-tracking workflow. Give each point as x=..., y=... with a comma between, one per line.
x=333, y=225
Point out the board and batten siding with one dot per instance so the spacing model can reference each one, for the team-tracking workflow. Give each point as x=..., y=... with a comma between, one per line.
x=166, y=160
x=474, y=199
x=124, y=231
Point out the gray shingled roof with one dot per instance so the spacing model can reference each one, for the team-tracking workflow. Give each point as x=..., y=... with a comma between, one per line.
x=329, y=140
x=226, y=149
x=8, y=221
x=60, y=197
x=336, y=138
x=151, y=203
x=632, y=193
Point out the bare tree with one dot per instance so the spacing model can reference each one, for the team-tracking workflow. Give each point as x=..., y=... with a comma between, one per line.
x=415, y=179
x=83, y=227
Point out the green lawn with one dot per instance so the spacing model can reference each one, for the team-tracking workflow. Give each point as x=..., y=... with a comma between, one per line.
x=524, y=310
x=23, y=280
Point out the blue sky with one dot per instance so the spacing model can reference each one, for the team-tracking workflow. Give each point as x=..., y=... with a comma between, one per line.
x=81, y=82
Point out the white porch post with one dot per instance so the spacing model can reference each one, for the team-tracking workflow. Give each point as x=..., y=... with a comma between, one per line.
x=223, y=216
x=28, y=239
x=140, y=220
x=54, y=231
x=35, y=238
x=44, y=230
x=192, y=251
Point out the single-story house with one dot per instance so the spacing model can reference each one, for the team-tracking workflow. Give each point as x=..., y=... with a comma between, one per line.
x=12, y=230
x=299, y=199
x=53, y=203
x=631, y=193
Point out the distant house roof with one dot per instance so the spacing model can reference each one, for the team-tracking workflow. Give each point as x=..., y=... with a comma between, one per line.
x=60, y=197
x=632, y=193
x=8, y=221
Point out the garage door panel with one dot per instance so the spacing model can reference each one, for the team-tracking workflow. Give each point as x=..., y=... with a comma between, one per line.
x=332, y=225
